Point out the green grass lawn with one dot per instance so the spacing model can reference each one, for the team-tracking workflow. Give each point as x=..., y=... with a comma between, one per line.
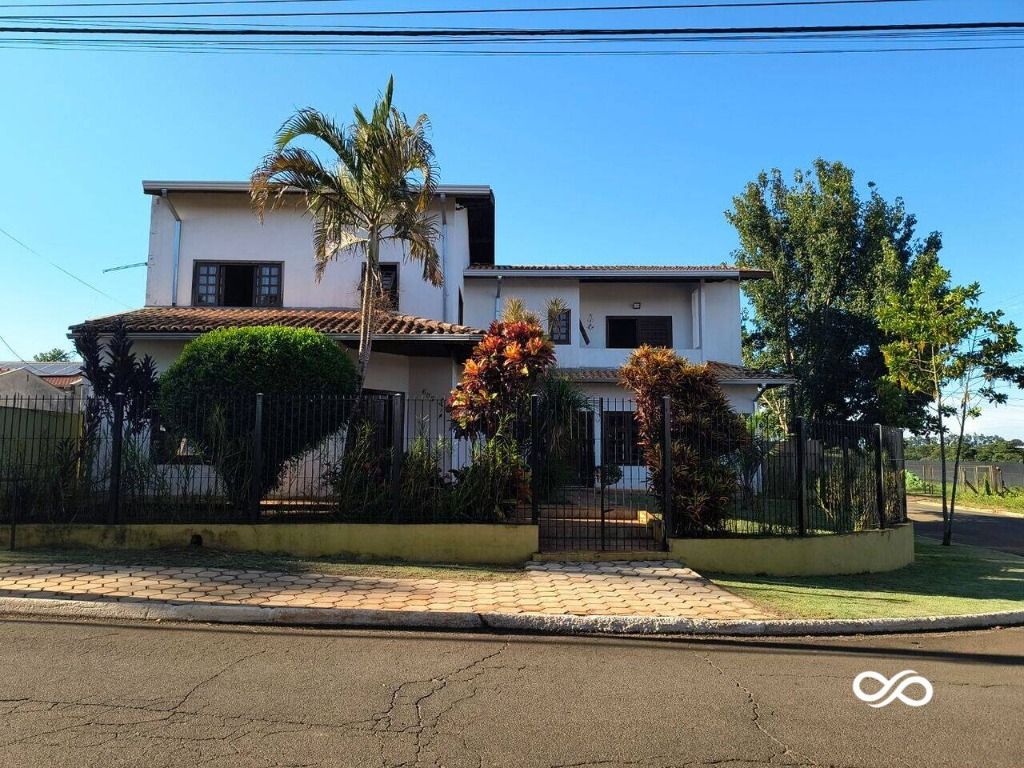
x=169, y=558
x=1011, y=500
x=942, y=581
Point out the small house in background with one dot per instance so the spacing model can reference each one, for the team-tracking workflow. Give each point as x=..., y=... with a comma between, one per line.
x=24, y=381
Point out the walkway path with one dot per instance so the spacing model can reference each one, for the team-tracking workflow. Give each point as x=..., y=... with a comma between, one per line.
x=642, y=588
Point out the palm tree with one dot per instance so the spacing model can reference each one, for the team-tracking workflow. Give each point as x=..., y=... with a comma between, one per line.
x=376, y=187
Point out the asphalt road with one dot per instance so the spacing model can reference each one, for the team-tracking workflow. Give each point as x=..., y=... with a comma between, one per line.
x=995, y=530
x=173, y=695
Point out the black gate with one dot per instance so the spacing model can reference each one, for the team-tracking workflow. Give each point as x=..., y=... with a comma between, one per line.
x=591, y=484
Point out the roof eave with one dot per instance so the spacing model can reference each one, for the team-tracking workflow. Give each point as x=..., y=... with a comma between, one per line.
x=157, y=187
x=609, y=274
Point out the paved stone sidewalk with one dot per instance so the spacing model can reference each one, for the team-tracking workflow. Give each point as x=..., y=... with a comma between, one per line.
x=641, y=588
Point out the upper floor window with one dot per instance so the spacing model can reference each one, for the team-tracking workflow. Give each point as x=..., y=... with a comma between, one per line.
x=631, y=332
x=559, y=327
x=237, y=284
x=388, y=282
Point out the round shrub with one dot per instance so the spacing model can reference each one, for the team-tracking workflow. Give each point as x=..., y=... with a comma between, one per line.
x=208, y=397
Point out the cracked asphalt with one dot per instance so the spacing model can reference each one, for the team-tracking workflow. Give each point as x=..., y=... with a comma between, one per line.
x=102, y=694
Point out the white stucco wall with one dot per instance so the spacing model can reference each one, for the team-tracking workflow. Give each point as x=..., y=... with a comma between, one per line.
x=722, y=335
x=222, y=227
x=705, y=316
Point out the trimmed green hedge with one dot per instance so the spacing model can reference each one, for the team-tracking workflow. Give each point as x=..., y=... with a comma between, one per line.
x=208, y=397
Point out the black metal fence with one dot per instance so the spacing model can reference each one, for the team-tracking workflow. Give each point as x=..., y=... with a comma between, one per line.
x=579, y=471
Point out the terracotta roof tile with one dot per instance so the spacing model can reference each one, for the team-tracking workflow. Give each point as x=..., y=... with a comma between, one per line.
x=726, y=372
x=334, y=322
x=62, y=382
x=625, y=269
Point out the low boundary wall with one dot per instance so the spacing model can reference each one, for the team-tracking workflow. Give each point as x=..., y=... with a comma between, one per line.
x=860, y=552
x=420, y=543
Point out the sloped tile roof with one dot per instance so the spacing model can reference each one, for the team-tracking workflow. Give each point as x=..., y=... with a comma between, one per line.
x=334, y=322
x=623, y=269
x=726, y=372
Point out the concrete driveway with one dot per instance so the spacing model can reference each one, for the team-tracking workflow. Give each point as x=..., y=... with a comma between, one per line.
x=109, y=695
x=995, y=530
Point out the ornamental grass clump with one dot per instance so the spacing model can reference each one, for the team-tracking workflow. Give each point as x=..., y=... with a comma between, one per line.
x=706, y=433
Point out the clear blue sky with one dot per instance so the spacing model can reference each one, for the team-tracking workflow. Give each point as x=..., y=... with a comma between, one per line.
x=592, y=159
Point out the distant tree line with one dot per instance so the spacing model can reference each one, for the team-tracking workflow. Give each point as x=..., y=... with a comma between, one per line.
x=981, y=448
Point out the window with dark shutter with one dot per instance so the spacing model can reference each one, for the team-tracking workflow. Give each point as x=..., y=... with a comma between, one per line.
x=206, y=282
x=656, y=331
x=631, y=332
x=268, y=285
x=388, y=282
x=561, y=325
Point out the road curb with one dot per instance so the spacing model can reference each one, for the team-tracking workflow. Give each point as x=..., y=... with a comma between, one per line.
x=519, y=622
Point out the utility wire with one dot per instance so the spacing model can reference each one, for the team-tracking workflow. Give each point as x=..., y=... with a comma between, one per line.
x=17, y=357
x=462, y=11
x=754, y=4
x=61, y=269
x=470, y=33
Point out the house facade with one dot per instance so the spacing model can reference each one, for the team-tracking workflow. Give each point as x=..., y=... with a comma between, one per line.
x=212, y=264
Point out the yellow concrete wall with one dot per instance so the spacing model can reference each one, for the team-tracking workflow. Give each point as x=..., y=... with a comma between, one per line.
x=442, y=543
x=861, y=552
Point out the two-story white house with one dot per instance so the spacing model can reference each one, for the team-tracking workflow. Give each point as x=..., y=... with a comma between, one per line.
x=212, y=264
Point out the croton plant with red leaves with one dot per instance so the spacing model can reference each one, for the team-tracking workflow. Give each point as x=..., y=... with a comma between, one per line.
x=499, y=377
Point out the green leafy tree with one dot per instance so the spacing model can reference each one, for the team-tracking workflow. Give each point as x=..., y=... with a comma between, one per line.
x=946, y=348
x=830, y=252
x=374, y=186
x=208, y=396
x=55, y=355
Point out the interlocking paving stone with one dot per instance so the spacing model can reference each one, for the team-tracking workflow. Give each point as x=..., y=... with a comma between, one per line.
x=634, y=588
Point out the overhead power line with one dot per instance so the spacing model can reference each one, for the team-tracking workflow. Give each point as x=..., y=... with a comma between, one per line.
x=170, y=3
x=58, y=267
x=470, y=33
x=460, y=11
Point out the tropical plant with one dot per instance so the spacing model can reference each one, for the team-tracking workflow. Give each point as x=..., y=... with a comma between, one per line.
x=375, y=187
x=949, y=350
x=208, y=395
x=490, y=487
x=498, y=378
x=125, y=387
x=705, y=432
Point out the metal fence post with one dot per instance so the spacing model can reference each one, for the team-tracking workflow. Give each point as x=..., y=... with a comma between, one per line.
x=879, y=477
x=901, y=467
x=117, y=437
x=257, y=459
x=666, y=467
x=397, y=450
x=534, y=459
x=801, y=473
x=601, y=474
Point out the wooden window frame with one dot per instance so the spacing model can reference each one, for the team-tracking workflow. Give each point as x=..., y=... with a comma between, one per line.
x=567, y=338
x=396, y=296
x=197, y=265
x=636, y=319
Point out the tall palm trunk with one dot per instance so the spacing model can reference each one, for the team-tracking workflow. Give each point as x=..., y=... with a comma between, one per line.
x=367, y=322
